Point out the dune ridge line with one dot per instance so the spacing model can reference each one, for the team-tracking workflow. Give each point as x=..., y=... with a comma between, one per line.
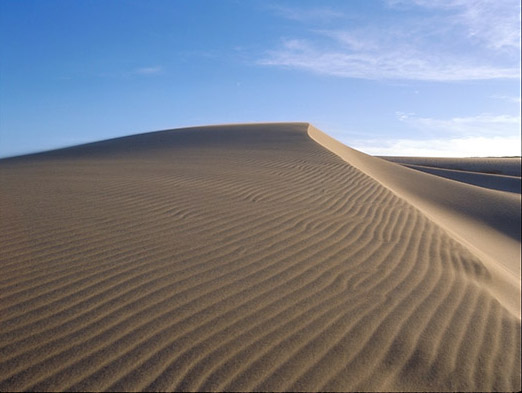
x=486, y=221
x=242, y=257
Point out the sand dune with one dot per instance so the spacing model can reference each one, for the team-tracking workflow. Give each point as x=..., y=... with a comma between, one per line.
x=486, y=221
x=252, y=257
x=509, y=166
x=486, y=180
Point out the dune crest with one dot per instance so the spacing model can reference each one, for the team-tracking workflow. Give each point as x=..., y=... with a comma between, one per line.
x=487, y=221
x=247, y=257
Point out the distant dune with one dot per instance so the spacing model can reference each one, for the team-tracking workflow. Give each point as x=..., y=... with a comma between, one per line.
x=501, y=174
x=260, y=257
x=509, y=166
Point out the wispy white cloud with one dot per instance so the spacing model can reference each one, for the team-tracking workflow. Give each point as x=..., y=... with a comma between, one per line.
x=482, y=135
x=494, y=22
x=302, y=14
x=511, y=99
x=470, y=40
x=380, y=63
x=480, y=125
x=148, y=70
x=480, y=146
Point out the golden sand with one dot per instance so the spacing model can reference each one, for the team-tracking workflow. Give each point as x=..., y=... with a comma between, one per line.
x=260, y=257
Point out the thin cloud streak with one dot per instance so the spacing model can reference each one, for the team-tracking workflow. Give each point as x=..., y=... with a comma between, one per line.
x=148, y=70
x=480, y=125
x=381, y=64
x=484, y=135
x=511, y=99
x=470, y=40
x=301, y=14
x=455, y=147
x=494, y=22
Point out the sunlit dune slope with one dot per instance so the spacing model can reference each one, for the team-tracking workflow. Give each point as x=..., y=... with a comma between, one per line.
x=486, y=221
x=260, y=257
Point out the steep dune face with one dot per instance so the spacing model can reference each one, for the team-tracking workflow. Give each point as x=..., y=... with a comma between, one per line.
x=239, y=257
x=486, y=221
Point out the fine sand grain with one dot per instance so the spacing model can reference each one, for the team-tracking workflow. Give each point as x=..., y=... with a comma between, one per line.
x=261, y=257
x=509, y=166
x=486, y=180
x=501, y=174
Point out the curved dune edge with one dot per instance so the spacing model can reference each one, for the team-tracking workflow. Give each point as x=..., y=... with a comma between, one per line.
x=485, y=180
x=503, y=166
x=235, y=258
x=486, y=221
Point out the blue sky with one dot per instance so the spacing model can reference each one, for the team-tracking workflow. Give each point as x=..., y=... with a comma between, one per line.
x=395, y=77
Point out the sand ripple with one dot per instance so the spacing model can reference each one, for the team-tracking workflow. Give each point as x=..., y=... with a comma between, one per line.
x=235, y=258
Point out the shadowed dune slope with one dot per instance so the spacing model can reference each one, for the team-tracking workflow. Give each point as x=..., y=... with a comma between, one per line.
x=241, y=257
x=508, y=166
x=486, y=180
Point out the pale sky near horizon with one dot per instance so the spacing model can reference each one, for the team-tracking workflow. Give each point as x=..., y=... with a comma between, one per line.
x=387, y=77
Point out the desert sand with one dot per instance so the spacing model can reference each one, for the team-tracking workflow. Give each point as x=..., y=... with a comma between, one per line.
x=509, y=166
x=501, y=174
x=262, y=257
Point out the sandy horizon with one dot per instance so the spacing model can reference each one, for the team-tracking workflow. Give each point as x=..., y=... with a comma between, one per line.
x=262, y=257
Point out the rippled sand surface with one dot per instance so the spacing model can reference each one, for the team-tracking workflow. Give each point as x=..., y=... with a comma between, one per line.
x=260, y=257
